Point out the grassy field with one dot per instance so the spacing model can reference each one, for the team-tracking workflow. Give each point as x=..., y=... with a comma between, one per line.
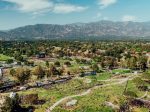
x=121, y=71
x=93, y=102
x=102, y=76
x=4, y=57
x=56, y=92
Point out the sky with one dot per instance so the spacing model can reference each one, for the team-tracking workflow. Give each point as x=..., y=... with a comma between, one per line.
x=16, y=13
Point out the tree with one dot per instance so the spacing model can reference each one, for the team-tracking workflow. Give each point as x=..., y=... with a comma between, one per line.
x=47, y=64
x=12, y=72
x=102, y=64
x=68, y=73
x=60, y=72
x=9, y=61
x=132, y=63
x=77, y=60
x=110, y=62
x=22, y=75
x=95, y=68
x=124, y=107
x=29, y=53
x=39, y=72
x=142, y=63
x=54, y=71
x=67, y=63
x=57, y=63
x=48, y=72
x=18, y=57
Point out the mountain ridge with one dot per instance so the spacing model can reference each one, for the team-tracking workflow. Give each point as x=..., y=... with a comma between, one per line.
x=78, y=30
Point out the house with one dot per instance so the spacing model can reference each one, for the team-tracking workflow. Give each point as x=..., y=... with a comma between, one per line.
x=41, y=55
x=91, y=73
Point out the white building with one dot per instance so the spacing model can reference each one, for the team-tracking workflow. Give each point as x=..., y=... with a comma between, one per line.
x=1, y=73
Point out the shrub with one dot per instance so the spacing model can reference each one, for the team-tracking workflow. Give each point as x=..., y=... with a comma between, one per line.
x=9, y=61
x=29, y=99
x=130, y=94
x=57, y=63
x=67, y=63
x=124, y=107
x=138, y=81
x=39, y=72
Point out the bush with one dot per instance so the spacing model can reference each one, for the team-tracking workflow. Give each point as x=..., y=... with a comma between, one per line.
x=130, y=94
x=124, y=107
x=12, y=72
x=146, y=75
x=39, y=72
x=29, y=99
x=9, y=61
x=138, y=81
x=143, y=88
x=22, y=74
x=67, y=63
x=29, y=63
x=57, y=63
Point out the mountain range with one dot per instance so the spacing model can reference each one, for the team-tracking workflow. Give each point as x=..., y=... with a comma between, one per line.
x=98, y=30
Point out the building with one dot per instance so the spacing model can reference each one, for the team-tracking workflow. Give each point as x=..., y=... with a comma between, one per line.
x=41, y=55
x=91, y=73
x=1, y=73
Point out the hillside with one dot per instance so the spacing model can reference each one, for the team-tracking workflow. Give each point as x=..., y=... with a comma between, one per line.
x=79, y=30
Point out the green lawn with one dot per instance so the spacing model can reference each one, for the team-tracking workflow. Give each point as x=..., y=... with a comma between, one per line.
x=121, y=71
x=102, y=76
x=4, y=57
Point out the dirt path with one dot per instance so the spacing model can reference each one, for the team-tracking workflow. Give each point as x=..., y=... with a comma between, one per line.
x=110, y=104
x=68, y=97
x=143, y=95
x=85, y=93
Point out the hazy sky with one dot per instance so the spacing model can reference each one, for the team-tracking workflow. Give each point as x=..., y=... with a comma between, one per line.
x=15, y=13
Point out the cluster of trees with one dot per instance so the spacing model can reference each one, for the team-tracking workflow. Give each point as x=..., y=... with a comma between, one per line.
x=24, y=74
x=107, y=53
x=132, y=62
x=9, y=104
x=31, y=48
